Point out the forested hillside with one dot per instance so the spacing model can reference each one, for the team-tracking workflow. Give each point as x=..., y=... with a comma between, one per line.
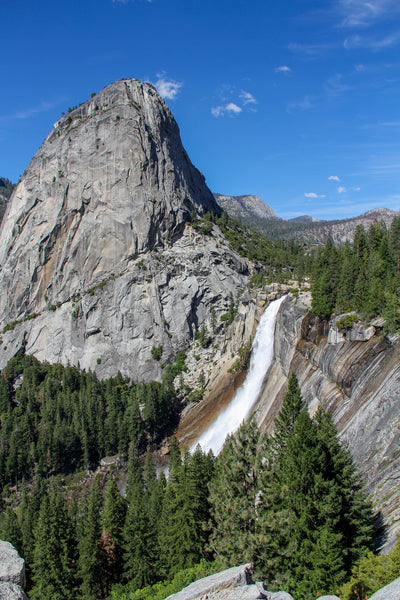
x=291, y=504
x=363, y=276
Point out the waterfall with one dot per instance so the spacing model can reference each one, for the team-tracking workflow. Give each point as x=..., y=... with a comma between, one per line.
x=240, y=408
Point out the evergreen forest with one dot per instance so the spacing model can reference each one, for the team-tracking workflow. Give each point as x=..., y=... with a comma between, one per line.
x=291, y=504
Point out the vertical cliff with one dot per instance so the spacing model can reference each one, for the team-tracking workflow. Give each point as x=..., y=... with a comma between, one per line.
x=97, y=262
x=357, y=378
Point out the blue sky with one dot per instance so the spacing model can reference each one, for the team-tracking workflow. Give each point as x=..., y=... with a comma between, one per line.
x=297, y=102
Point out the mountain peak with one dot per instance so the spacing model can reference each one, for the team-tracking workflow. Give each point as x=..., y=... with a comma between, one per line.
x=110, y=181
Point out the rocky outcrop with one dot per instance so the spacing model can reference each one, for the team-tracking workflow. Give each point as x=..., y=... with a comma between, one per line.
x=248, y=208
x=237, y=584
x=357, y=378
x=389, y=592
x=12, y=573
x=215, y=586
x=98, y=264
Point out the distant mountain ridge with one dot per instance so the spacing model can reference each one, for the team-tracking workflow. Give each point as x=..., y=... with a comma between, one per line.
x=255, y=213
x=247, y=207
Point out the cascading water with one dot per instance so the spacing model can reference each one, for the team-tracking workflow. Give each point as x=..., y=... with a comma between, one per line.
x=240, y=408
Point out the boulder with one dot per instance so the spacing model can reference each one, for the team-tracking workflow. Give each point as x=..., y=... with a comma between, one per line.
x=11, y=591
x=389, y=592
x=213, y=585
x=12, y=566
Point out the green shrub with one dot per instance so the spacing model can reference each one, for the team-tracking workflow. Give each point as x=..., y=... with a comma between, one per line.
x=346, y=322
x=161, y=590
x=156, y=352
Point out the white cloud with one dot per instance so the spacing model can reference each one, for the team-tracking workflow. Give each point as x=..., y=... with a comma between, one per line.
x=374, y=44
x=167, y=88
x=341, y=189
x=314, y=195
x=283, y=69
x=230, y=108
x=356, y=189
x=234, y=108
x=247, y=98
x=333, y=178
x=363, y=13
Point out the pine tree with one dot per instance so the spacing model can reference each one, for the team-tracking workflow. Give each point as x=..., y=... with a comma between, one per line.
x=290, y=410
x=52, y=560
x=139, y=562
x=89, y=555
x=234, y=494
x=111, y=540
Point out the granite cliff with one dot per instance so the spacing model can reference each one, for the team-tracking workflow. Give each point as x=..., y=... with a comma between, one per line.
x=355, y=375
x=98, y=261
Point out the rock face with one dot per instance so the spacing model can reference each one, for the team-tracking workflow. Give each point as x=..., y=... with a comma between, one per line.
x=343, y=231
x=389, y=592
x=12, y=573
x=249, y=208
x=357, y=378
x=95, y=247
x=221, y=585
x=236, y=584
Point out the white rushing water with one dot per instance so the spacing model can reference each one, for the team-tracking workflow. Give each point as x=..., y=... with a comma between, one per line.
x=240, y=408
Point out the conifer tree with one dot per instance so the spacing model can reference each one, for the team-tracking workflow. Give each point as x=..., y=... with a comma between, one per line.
x=52, y=559
x=234, y=493
x=139, y=561
x=89, y=556
x=111, y=543
x=290, y=410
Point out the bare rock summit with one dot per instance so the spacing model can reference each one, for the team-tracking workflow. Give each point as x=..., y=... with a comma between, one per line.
x=98, y=264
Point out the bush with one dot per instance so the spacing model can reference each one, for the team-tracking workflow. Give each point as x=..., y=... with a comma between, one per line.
x=156, y=352
x=346, y=323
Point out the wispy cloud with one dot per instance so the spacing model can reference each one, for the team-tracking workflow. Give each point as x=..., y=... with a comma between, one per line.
x=305, y=103
x=230, y=108
x=29, y=112
x=333, y=178
x=314, y=195
x=310, y=50
x=283, y=69
x=363, y=13
x=372, y=43
x=167, y=88
x=26, y=113
x=336, y=85
x=341, y=189
x=247, y=98
x=384, y=168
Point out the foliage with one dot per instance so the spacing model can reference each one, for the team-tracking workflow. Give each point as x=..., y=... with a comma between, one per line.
x=292, y=504
x=346, y=322
x=60, y=419
x=156, y=352
x=372, y=573
x=363, y=276
x=161, y=590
